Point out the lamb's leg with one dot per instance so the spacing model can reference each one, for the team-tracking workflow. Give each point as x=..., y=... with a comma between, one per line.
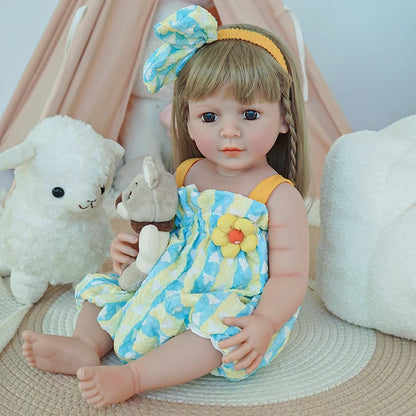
x=27, y=288
x=4, y=270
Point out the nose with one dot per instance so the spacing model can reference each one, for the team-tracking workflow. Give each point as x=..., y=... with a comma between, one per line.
x=230, y=130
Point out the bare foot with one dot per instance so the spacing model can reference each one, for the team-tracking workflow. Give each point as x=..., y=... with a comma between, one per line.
x=108, y=384
x=57, y=354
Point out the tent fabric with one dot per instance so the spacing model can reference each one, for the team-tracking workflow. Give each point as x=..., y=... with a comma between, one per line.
x=92, y=80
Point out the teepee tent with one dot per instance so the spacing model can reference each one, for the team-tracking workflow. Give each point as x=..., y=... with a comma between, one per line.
x=87, y=61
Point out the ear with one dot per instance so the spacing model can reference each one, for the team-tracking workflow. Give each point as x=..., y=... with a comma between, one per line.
x=150, y=172
x=114, y=148
x=284, y=126
x=121, y=210
x=17, y=155
x=190, y=133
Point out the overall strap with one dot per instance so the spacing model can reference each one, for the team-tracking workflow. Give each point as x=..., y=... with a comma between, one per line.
x=260, y=193
x=264, y=189
x=183, y=169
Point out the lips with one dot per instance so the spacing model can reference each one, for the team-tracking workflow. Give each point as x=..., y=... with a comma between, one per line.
x=231, y=151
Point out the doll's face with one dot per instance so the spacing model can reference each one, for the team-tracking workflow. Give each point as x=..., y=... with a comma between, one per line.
x=231, y=134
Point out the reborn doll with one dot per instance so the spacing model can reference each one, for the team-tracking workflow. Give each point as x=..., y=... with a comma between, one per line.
x=204, y=307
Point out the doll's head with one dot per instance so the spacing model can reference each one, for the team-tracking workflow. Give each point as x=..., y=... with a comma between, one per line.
x=250, y=71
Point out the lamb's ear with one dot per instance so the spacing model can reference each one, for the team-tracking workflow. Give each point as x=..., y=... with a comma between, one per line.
x=17, y=155
x=114, y=148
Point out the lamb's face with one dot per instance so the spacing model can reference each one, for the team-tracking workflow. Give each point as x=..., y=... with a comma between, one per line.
x=71, y=172
x=61, y=187
x=77, y=200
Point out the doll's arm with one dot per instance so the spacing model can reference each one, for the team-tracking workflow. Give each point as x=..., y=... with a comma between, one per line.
x=287, y=283
x=123, y=250
x=288, y=257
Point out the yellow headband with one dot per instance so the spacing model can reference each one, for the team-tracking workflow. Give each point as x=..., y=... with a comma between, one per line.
x=257, y=39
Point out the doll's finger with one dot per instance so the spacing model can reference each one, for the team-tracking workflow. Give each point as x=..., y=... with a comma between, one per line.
x=118, y=250
x=128, y=251
x=129, y=238
x=123, y=245
x=246, y=361
x=239, y=322
x=254, y=365
x=124, y=240
x=117, y=268
x=237, y=354
x=232, y=341
x=119, y=262
x=122, y=258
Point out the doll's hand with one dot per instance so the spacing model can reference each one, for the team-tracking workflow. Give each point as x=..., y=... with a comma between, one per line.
x=123, y=250
x=251, y=343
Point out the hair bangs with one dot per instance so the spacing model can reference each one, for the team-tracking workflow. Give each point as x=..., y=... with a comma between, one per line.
x=249, y=72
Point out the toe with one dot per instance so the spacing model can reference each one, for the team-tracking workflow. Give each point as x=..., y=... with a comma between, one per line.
x=29, y=358
x=29, y=336
x=89, y=389
x=85, y=373
x=31, y=361
x=27, y=351
x=96, y=401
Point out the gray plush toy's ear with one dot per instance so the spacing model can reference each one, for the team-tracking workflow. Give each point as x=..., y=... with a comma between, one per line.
x=17, y=155
x=150, y=172
x=114, y=148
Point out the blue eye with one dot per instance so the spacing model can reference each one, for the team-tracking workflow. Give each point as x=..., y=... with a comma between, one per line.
x=208, y=117
x=251, y=115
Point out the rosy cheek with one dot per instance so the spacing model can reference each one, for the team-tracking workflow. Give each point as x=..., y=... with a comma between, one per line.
x=203, y=146
x=259, y=141
x=261, y=146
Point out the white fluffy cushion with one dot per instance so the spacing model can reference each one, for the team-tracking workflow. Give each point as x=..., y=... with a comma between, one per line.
x=366, y=262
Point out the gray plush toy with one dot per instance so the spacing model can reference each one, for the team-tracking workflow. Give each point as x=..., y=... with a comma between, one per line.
x=150, y=203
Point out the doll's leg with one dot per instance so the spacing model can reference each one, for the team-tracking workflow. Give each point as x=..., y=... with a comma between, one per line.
x=65, y=355
x=183, y=358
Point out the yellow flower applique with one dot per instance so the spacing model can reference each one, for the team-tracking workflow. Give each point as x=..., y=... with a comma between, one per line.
x=233, y=234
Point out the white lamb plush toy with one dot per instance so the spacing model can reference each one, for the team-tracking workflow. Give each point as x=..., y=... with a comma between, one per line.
x=53, y=228
x=366, y=264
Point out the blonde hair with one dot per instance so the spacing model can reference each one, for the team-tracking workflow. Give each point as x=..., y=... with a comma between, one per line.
x=249, y=70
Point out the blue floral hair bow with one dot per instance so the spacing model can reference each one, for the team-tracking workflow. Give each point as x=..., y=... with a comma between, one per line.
x=183, y=32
